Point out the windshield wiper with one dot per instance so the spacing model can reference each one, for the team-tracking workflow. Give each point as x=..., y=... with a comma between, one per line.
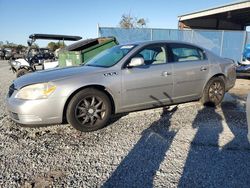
x=90, y=65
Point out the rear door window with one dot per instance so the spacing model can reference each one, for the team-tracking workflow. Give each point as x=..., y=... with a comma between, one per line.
x=184, y=53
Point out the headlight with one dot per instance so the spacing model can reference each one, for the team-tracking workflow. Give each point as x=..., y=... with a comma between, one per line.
x=36, y=91
x=15, y=63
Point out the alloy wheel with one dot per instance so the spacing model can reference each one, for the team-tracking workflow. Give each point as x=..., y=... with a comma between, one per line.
x=216, y=92
x=90, y=110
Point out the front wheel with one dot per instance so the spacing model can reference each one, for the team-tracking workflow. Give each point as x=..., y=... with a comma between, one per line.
x=89, y=110
x=214, y=92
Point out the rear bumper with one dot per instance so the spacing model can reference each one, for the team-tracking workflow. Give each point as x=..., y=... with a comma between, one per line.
x=230, y=85
x=230, y=81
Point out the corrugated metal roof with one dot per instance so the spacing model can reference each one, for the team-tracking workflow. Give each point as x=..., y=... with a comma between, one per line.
x=216, y=10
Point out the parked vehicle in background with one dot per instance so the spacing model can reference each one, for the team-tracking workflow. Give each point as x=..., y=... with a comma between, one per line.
x=32, y=61
x=46, y=54
x=246, y=55
x=41, y=55
x=248, y=116
x=121, y=79
x=8, y=53
x=243, y=70
x=2, y=54
x=18, y=55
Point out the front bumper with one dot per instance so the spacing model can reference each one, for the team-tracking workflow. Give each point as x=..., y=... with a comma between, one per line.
x=35, y=112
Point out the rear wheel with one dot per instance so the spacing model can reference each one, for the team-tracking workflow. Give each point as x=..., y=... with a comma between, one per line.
x=214, y=92
x=89, y=110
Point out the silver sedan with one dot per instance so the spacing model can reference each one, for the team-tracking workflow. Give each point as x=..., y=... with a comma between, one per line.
x=121, y=79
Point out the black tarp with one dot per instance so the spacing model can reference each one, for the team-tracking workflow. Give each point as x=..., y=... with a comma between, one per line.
x=81, y=45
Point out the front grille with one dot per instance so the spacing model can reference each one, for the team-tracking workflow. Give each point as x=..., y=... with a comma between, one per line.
x=11, y=90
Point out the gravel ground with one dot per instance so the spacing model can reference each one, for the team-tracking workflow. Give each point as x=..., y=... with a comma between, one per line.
x=183, y=146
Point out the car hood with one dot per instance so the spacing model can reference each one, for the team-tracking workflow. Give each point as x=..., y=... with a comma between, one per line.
x=53, y=74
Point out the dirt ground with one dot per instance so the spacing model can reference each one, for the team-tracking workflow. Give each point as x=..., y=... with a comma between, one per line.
x=241, y=88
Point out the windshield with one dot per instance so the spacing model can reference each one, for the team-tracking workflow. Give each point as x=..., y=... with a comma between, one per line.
x=110, y=57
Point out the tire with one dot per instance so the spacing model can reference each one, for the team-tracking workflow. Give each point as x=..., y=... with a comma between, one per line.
x=21, y=72
x=89, y=110
x=214, y=92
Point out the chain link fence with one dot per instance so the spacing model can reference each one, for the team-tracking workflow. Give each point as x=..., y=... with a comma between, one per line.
x=229, y=44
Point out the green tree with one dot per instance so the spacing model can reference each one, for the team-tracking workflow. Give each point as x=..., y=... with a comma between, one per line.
x=19, y=47
x=52, y=46
x=61, y=44
x=35, y=45
x=141, y=22
x=128, y=21
x=55, y=45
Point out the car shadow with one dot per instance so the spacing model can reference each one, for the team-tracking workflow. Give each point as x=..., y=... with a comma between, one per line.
x=139, y=167
x=237, y=123
x=209, y=162
x=116, y=117
x=159, y=102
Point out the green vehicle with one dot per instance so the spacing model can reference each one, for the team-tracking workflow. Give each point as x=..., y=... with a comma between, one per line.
x=79, y=52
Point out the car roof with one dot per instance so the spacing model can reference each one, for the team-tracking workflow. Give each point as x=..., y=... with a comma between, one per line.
x=161, y=41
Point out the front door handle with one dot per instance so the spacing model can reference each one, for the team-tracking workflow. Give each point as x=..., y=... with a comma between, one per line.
x=203, y=68
x=165, y=73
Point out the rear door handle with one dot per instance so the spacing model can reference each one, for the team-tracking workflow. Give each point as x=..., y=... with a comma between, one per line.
x=165, y=73
x=203, y=68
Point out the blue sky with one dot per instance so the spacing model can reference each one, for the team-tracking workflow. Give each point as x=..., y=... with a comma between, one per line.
x=20, y=18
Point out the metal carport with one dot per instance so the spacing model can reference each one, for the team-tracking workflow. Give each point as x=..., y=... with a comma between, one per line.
x=233, y=16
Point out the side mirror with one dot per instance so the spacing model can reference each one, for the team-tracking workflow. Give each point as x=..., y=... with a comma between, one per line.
x=136, y=61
